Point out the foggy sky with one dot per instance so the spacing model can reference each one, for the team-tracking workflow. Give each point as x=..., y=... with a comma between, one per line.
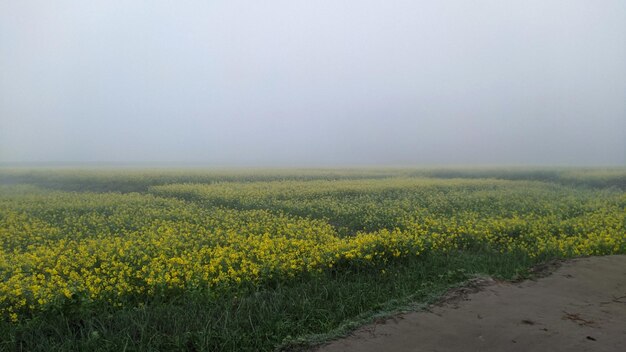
x=301, y=82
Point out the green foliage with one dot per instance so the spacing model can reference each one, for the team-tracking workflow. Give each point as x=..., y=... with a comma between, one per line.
x=255, y=259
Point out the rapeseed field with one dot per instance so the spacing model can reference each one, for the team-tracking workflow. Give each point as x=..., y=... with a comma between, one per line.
x=78, y=249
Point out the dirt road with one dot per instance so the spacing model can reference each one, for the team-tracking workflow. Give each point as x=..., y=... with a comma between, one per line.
x=579, y=307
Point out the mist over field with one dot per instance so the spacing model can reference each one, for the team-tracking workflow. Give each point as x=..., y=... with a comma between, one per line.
x=277, y=175
x=297, y=83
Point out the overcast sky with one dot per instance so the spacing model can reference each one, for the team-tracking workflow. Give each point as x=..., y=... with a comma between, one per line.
x=326, y=82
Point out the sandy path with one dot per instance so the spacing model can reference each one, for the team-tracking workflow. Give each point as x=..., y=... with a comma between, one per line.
x=580, y=307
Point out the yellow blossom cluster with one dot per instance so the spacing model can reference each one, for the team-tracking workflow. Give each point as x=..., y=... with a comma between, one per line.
x=58, y=247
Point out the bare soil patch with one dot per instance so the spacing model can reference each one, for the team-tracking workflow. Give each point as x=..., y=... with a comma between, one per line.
x=581, y=306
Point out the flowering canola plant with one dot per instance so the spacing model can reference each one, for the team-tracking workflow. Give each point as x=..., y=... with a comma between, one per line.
x=70, y=247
